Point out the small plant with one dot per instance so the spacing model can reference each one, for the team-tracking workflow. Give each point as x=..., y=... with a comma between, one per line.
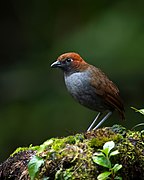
x=36, y=162
x=141, y=111
x=103, y=159
x=34, y=165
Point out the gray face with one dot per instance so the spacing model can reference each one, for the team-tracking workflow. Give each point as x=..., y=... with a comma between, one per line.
x=78, y=85
x=65, y=64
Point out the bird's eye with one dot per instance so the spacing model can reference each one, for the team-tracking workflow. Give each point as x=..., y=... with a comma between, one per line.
x=68, y=59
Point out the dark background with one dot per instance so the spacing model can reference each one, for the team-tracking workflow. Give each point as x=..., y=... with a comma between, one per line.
x=34, y=103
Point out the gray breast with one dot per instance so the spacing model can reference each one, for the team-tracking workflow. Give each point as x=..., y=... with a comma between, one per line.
x=78, y=85
x=77, y=82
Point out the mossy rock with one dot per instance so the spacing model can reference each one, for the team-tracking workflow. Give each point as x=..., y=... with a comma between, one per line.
x=70, y=158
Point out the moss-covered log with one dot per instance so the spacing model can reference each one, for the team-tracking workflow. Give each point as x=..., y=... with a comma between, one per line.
x=71, y=157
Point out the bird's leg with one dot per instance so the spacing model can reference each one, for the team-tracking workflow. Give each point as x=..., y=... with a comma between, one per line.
x=105, y=117
x=92, y=124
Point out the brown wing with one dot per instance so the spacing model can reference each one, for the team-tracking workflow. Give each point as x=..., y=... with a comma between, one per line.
x=107, y=90
x=116, y=102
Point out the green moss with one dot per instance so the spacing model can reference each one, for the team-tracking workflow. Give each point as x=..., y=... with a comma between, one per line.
x=104, y=136
x=131, y=154
x=71, y=157
x=20, y=149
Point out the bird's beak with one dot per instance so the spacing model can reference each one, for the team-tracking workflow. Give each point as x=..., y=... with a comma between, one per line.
x=56, y=64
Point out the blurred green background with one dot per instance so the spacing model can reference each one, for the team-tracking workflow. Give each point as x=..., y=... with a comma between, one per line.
x=34, y=103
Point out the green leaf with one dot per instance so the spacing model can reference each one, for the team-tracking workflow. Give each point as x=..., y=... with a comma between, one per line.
x=98, y=154
x=45, y=178
x=104, y=175
x=139, y=110
x=34, y=165
x=48, y=142
x=114, y=153
x=118, y=178
x=108, y=146
x=140, y=124
x=105, y=151
x=116, y=167
x=102, y=161
x=43, y=146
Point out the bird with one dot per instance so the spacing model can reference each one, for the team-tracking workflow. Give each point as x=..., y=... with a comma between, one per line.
x=90, y=87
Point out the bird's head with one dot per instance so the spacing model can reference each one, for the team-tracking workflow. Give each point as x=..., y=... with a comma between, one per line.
x=70, y=62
